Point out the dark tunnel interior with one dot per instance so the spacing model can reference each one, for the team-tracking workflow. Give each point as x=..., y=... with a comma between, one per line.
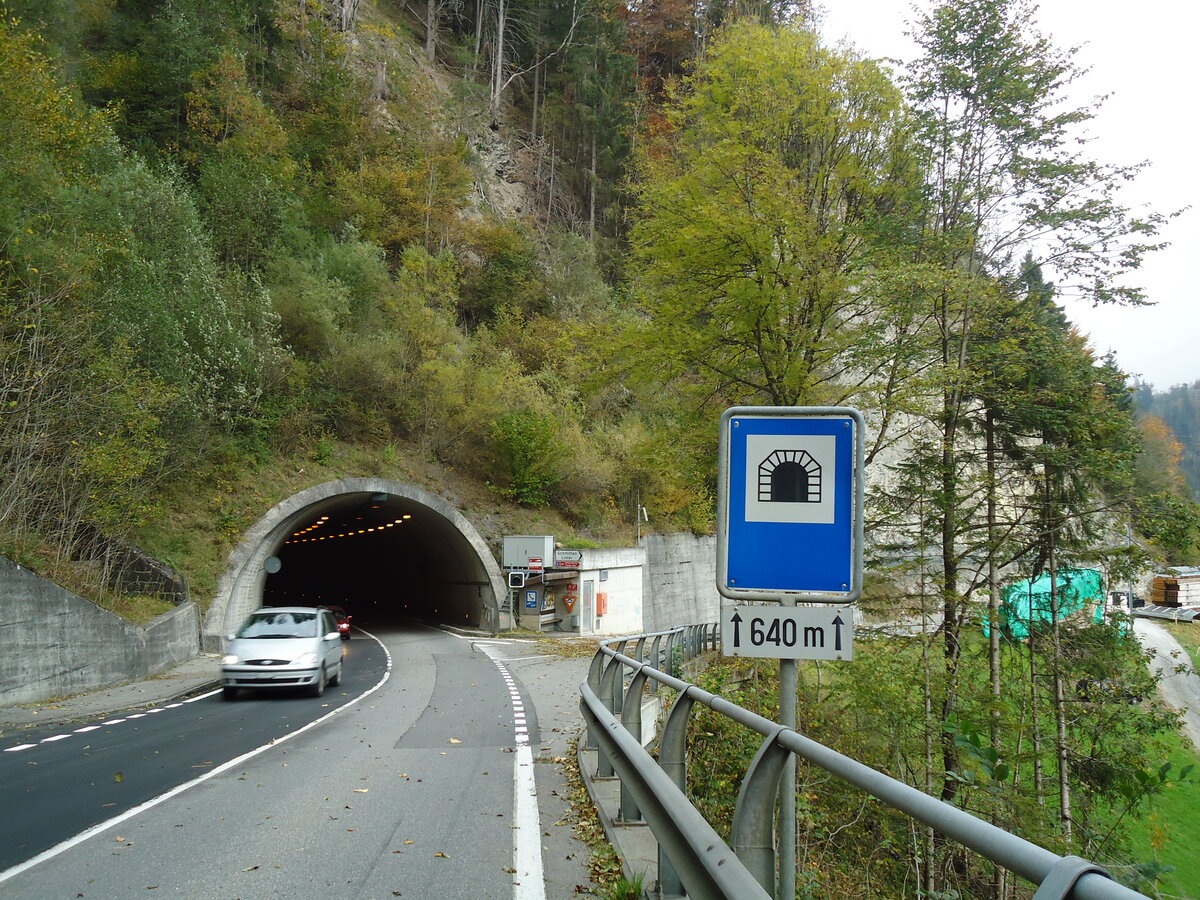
x=382, y=558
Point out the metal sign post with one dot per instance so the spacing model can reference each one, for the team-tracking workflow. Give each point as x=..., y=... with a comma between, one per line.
x=789, y=529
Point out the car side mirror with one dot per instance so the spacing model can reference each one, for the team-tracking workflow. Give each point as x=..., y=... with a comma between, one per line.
x=230, y=636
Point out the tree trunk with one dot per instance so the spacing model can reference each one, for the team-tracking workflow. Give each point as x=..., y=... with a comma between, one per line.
x=592, y=191
x=533, y=125
x=1035, y=721
x=498, y=62
x=997, y=885
x=431, y=24
x=1060, y=712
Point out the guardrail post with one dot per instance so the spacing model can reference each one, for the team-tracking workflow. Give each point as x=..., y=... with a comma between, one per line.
x=631, y=721
x=609, y=695
x=754, y=815
x=617, y=685
x=639, y=649
x=656, y=653
x=672, y=759
x=594, y=676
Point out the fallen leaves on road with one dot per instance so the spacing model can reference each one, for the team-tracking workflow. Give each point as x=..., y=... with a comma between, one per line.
x=442, y=855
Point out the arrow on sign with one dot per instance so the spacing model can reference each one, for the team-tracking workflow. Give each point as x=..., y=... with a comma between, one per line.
x=736, y=621
x=837, y=632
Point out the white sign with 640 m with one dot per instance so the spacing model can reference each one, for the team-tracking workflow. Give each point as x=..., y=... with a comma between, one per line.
x=787, y=632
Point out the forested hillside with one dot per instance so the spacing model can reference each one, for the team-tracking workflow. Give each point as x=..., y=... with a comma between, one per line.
x=1173, y=416
x=531, y=249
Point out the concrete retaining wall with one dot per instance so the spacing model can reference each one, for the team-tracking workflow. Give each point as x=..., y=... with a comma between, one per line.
x=680, y=581
x=54, y=643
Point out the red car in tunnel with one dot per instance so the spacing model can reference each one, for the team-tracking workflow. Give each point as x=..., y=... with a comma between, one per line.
x=343, y=621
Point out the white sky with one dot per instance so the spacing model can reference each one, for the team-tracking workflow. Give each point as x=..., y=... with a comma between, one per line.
x=1143, y=55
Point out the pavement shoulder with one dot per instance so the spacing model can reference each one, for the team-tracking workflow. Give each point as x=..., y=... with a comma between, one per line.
x=189, y=677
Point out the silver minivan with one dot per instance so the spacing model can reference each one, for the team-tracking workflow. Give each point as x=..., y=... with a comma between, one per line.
x=283, y=646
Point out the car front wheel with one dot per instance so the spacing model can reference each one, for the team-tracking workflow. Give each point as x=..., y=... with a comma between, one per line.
x=318, y=687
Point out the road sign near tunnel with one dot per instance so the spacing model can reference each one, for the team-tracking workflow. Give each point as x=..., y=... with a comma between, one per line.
x=787, y=632
x=790, y=503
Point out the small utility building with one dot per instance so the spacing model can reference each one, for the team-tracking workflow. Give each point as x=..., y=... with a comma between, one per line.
x=591, y=591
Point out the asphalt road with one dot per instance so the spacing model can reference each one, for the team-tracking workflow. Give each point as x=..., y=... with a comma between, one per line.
x=1180, y=686
x=67, y=779
x=417, y=777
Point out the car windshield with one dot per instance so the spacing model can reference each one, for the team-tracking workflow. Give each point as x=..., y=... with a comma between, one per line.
x=280, y=625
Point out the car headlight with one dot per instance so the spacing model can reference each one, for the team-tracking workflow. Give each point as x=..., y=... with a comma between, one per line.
x=230, y=659
x=306, y=659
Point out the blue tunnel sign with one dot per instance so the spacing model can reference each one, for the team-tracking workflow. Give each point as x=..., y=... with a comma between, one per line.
x=789, y=505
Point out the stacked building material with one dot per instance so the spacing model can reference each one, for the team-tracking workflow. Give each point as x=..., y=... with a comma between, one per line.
x=1179, y=586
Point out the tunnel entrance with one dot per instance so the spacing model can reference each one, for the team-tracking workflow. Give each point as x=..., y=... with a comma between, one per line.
x=380, y=549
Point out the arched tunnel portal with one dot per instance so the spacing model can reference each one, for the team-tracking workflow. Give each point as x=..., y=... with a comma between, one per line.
x=380, y=549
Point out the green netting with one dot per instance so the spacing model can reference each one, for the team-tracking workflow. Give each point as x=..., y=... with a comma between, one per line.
x=1026, y=604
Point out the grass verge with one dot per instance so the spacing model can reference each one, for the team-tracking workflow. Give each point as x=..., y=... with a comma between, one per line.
x=1162, y=838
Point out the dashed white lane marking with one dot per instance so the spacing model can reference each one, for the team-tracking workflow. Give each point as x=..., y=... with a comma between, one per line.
x=529, y=882
x=138, y=715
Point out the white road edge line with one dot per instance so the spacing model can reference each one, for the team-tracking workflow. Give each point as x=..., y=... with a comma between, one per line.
x=187, y=785
x=529, y=883
x=529, y=880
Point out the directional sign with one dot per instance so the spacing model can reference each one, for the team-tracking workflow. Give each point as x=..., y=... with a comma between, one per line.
x=563, y=556
x=788, y=632
x=789, y=504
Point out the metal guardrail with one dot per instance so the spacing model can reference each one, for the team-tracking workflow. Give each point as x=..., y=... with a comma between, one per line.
x=694, y=861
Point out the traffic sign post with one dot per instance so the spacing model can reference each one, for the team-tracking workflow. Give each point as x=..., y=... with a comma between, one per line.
x=787, y=632
x=789, y=504
x=789, y=528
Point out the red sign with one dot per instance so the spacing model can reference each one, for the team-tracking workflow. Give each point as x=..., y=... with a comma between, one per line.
x=535, y=564
x=568, y=564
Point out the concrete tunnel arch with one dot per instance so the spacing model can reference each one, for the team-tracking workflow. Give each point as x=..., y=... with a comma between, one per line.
x=373, y=545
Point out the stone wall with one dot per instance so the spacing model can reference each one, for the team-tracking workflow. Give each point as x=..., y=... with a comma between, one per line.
x=54, y=643
x=680, y=581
